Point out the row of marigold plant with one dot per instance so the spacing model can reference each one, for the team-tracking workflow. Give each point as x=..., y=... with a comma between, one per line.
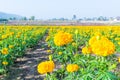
x=13, y=42
x=82, y=53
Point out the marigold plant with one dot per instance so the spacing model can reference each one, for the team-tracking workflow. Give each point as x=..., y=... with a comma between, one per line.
x=62, y=38
x=72, y=67
x=4, y=51
x=45, y=67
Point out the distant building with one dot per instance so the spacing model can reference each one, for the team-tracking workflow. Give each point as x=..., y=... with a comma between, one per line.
x=74, y=17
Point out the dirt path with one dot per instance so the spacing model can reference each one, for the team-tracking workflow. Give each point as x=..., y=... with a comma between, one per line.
x=25, y=68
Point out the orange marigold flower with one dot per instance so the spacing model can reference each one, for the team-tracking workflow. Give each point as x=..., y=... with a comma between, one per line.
x=4, y=51
x=101, y=46
x=45, y=67
x=62, y=38
x=72, y=67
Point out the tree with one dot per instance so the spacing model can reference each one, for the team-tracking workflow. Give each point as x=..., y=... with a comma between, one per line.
x=10, y=18
x=32, y=18
x=3, y=20
x=14, y=18
x=24, y=18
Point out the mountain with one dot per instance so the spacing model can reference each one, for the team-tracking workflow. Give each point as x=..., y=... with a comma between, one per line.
x=8, y=16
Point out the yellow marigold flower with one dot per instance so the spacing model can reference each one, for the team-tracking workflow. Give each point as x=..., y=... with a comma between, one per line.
x=59, y=53
x=119, y=43
x=93, y=39
x=74, y=44
x=4, y=36
x=45, y=67
x=76, y=31
x=17, y=36
x=5, y=63
x=101, y=46
x=86, y=50
x=119, y=59
x=62, y=38
x=4, y=51
x=72, y=67
x=49, y=51
x=12, y=33
x=11, y=46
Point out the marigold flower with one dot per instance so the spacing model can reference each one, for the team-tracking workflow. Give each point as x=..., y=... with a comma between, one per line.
x=86, y=50
x=4, y=51
x=119, y=59
x=101, y=46
x=17, y=36
x=11, y=33
x=11, y=46
x=5, y=63
x=76, y=31
x=74, y=44
x=45, y=67
x=49, y=51
x=59, y=53
x=72, y=67
x=62, y=38
x=119, y=43
x=4, y=36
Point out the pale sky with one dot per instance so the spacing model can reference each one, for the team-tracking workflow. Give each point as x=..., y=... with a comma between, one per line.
x=46, y=9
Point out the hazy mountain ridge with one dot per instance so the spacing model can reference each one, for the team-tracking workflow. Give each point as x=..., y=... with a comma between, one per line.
x=8, y=16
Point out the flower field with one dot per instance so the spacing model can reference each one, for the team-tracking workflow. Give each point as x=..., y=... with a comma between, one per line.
x=13, y=42
x=75, y=52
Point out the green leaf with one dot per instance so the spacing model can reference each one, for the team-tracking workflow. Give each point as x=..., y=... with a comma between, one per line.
x=2, y=71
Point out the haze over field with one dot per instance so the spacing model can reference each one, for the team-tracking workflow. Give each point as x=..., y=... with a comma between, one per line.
x=46, y=9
